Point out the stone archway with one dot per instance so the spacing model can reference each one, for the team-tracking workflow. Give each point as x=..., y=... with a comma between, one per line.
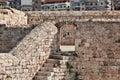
x=67, y=37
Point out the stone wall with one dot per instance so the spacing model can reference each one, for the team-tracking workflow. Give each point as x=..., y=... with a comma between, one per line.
x=98, y=49
x=12, y=17
x=24, y=61
x=73, y=16
x=10, y=37
x=67, y=35
x=97, y=45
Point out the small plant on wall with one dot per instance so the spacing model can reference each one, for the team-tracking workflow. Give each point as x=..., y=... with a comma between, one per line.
x=69, y=66
x=77, y=76
x=9, y=77
x=90, y=20
x=119, y=70
x=1, y=6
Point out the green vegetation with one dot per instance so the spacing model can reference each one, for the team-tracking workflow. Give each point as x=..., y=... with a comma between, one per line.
x=26, y=14
x=8, y=76
x=69, y=66
x=76, y=76
x=1, y=6
x=90, y=20
x=119, y=70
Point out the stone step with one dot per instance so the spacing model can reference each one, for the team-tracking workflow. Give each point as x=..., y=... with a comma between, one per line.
x=53, y=69
x=49, y=69
x=68, y=53
x=38, y=77
x=48, y=65
x=63, y=70
x=54, y=61
x=48, y=78
x=59, y=70
x=58, y=57
x=55, y=66
x=59, y=73
x=58, y=78
x=61, y=57
x=43, y=73
x=70, y=58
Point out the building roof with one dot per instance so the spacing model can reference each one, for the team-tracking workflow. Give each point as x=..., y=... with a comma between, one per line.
x=47, y=1
x=91, y=0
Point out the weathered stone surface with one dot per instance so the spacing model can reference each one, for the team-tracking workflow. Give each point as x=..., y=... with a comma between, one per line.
x=97, y=45
x=10, y=37
x=12, y=17
x=73, y=16
x=29, y=55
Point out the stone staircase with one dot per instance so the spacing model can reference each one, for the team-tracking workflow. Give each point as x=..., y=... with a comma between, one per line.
x=54, y=68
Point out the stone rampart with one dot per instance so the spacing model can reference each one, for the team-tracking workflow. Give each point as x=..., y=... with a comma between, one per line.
x=97, y=45
x=73, y=16
x=23, y=61
x=11, y=17
x=11, y=36
x=98, y=49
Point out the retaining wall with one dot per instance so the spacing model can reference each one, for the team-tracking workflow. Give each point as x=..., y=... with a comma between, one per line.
x=98, y=49
x=22, y=62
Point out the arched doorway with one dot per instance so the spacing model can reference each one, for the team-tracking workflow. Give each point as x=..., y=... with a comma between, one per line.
x=67, y=37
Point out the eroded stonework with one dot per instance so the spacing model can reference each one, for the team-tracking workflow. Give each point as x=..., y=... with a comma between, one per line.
x=97, y=46
x=12, y=17
x=10, y=37
x=23, y=61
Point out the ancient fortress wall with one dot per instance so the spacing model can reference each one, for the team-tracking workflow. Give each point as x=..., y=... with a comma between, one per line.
x=97, y=45
x=23, y=61
x=12, y=17
x=98, y=48
x=10, y=37
x=97, y=41
x=73, y=16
